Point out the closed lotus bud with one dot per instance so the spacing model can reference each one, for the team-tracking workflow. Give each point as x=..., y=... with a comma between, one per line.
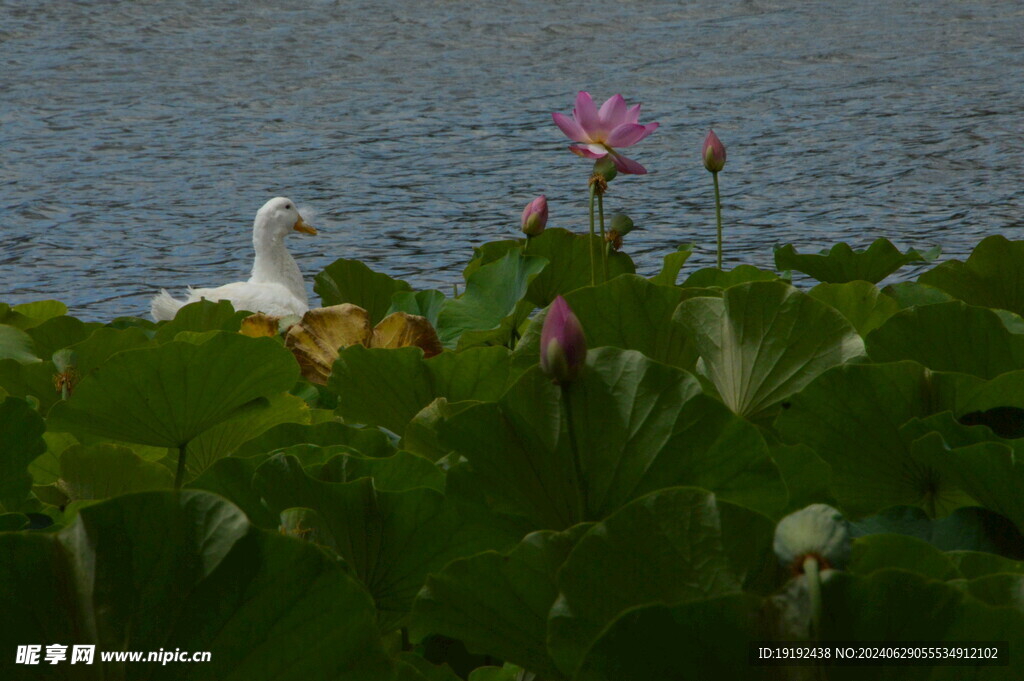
x=605, y=167
x=563, y=347
x=622, y=224
x=535, y=216
x=818, y=531
x=713, y=152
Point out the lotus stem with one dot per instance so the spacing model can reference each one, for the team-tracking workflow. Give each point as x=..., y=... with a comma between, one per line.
x=604, y=241
x=179, y=476
x=814, y=589
x=577, y=463
x=593, y=276
x=718, y=218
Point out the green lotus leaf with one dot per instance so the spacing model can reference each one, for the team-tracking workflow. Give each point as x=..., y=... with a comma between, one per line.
x=966, y=529
x=884, y=551
x=427, y=304
x=628, y=312
x=13, y=522
x=498, y=604
x=993, y=276
x=27, y=315
x=851, y=416
x=21, y=441
x=350, y=281
x=638, y=425
x=990, y=472
x=367, y=441
x=391, y=540
x=974, y=564
x=509, y=672
x=896, y=606
x=102, y=344
x=32, y=381
x=241, y=426
x=422, y=432
x=911, y=293
x=167, y=395
x=389, y=387
x=16, y=344
x=104, y=470
x=703, y=639
x=400, y=471
x=202, y=316
x=164, y=570
x=671, y=265
x=860, y=302
x=231, y=478
x=997, y=590
x=57, y=333
x=763, y=341
x=665, y=547
x=806, y=474
x=950, y=336
x=841, y=263
x=492, y=293
x=412, y=667
x=568, y=256
x=714, y=277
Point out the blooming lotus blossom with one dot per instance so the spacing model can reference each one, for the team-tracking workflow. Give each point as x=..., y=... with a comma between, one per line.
x=600, y=131
x=563, y=347
x=535, y=216
x=713, y=152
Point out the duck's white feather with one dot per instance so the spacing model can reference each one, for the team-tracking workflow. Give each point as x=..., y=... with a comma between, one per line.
x=276, y=286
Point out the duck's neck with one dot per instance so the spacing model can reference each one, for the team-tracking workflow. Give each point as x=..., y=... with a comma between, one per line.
x=275, y=265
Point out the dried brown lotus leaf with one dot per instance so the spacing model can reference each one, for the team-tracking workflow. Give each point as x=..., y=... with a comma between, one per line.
x=401, y=329
x=259, y=325
x=316, y=339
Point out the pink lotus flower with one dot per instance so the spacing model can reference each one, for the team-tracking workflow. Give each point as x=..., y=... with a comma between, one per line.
x=599, y=132
x=563, y=347
x=713, y=152
x=535, y=216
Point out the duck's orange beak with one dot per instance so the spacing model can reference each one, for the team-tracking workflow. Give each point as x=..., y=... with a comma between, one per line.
x=301, y=226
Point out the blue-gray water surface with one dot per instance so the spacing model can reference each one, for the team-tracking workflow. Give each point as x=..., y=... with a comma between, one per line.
x=137, y=139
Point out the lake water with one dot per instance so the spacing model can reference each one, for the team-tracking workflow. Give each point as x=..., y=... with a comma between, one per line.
x=137, y=139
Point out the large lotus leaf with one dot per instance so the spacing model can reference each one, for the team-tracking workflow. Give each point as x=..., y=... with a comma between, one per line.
x=33, y=380
x=167, y=395
x=104, y=343
x=400, y=471
x=27, y=315
x=389, y=387
x=391, y=540
x=911, y=293
x=491, y=295
x=665, y=547
x=638, y=425
x=59, y=332
x=896, y=551
x=851, y=416
x=841, y=263
x=628, y=312
x=498, y=604
x=421, y=434
x=568, y=256
x=895, y=606
x=974, y=564
x=993, y=276
x=988, y=471
x=105, y=470
x=241, y=426
x=705, y=639
x=16, y=344
x=367, y=441
x=966, y=529
x=671, y=265
x=714, y=277
x=761, y=342
x=950, y=336
x=21, y=441
x=806, y=474
x=231, y=478
x=427, y=304
x=164, y=570
x=860, y=302
x=200, y=316
x=412, y=667
x=350, y=281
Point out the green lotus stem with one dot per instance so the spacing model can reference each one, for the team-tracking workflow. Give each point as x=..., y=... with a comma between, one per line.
x=604, y=241
x=179, y=476
x=577, y=463
x=814, y=589
x=593, y=275
x=718, y=218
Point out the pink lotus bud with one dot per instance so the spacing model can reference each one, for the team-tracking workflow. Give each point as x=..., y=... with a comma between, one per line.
x=535, y=216
x=563, y=347
x=713, y=152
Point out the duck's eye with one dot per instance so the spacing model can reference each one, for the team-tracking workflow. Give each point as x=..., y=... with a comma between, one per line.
x=288, y=207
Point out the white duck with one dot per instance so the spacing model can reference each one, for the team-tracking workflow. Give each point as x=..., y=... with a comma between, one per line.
x=275, y=287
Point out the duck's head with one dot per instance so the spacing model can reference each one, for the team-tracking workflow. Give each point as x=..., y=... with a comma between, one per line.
x=279, y=216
